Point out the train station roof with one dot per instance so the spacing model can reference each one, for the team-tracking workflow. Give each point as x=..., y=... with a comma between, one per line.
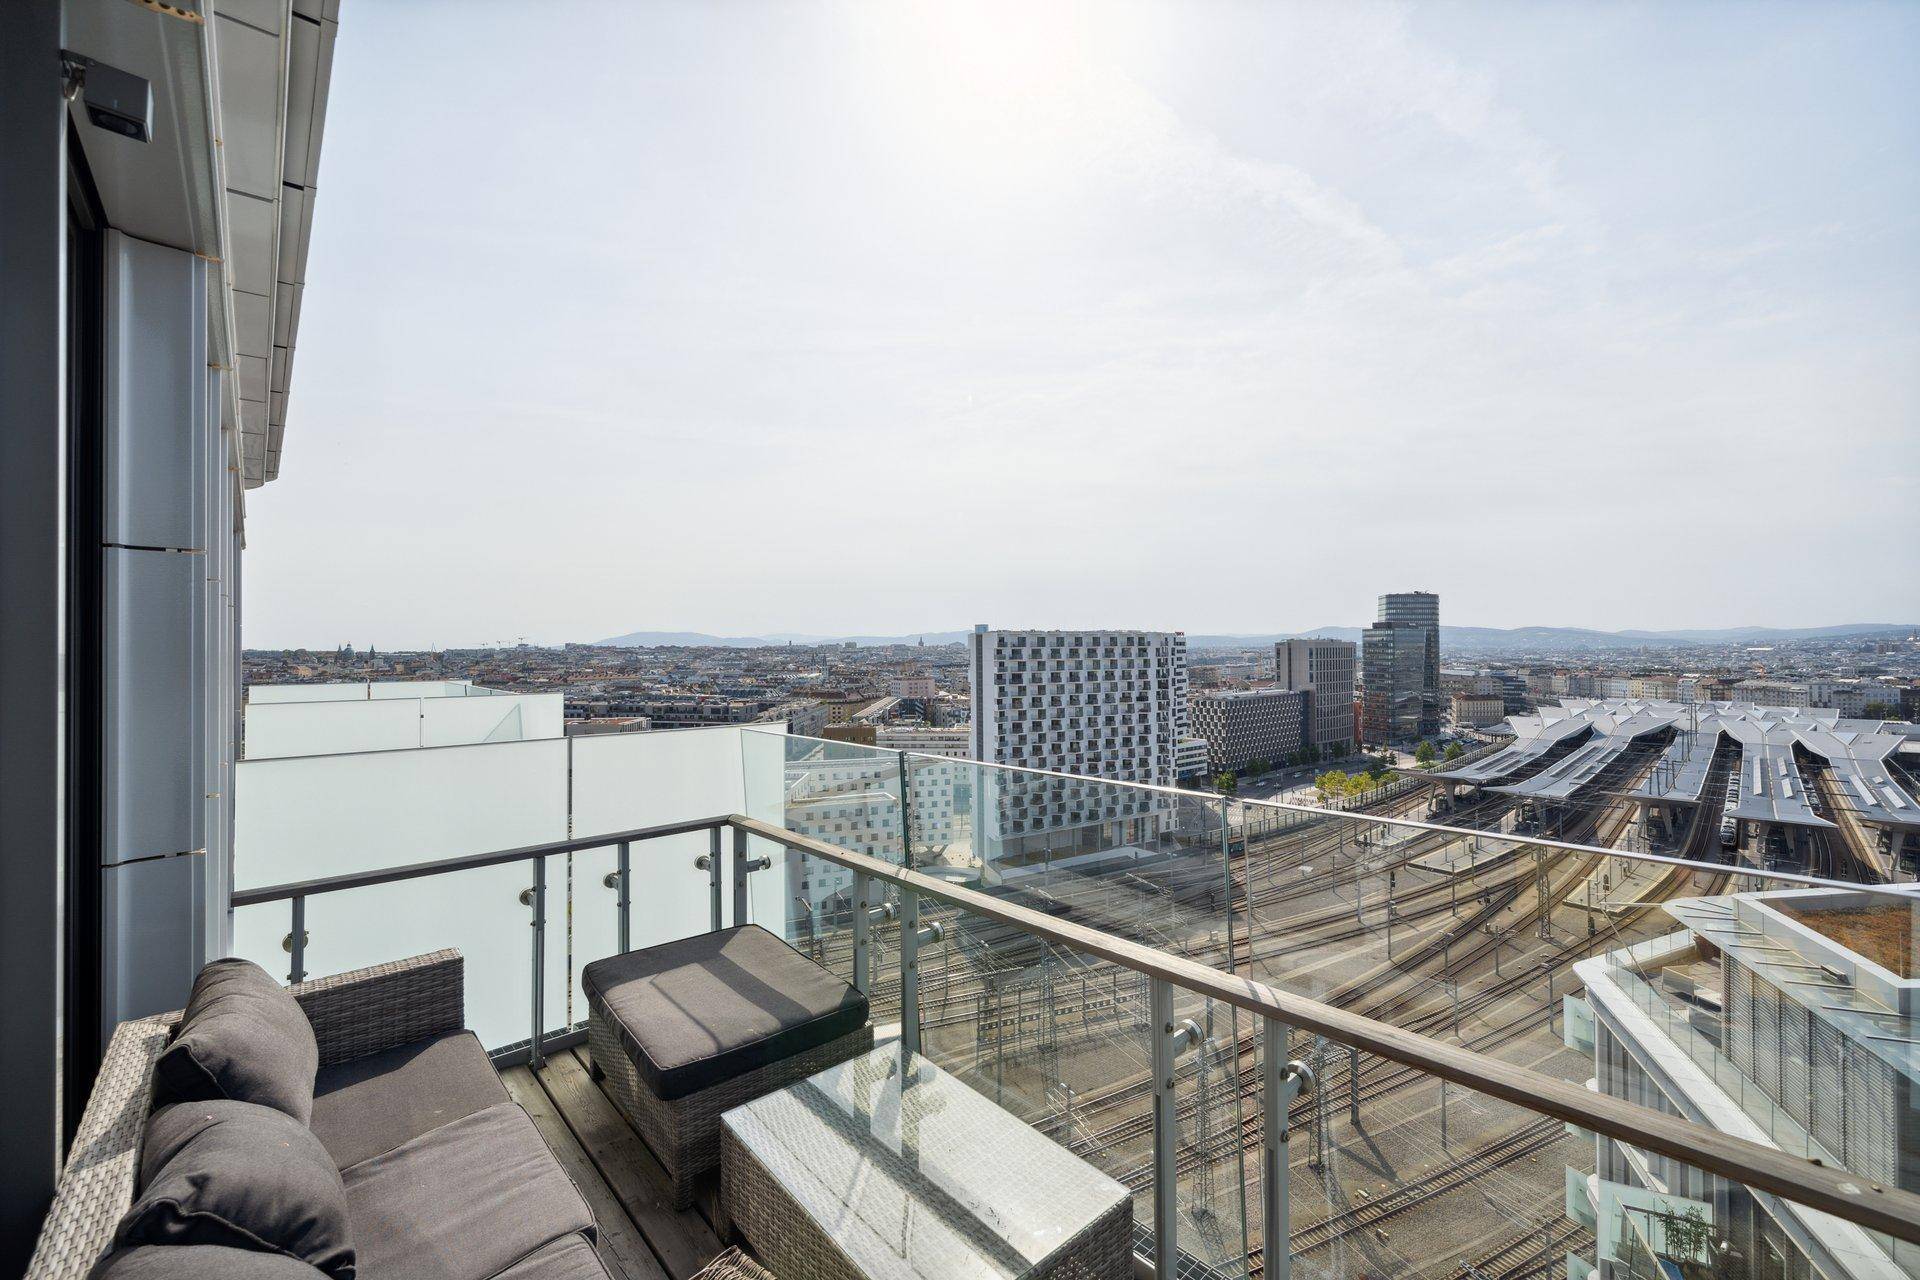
x=1534, y=737
x=1614, y=731
x=1771, y=787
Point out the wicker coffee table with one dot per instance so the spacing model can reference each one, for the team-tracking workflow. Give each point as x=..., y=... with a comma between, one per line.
x=886, y=1166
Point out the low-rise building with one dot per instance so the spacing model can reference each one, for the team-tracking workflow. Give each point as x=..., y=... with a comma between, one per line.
x=1477, y=710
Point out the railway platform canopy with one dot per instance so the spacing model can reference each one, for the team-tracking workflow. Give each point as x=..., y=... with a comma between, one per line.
x=1772, y=742
x=1680, y=775
x=1613, y=733
x=1538, y=739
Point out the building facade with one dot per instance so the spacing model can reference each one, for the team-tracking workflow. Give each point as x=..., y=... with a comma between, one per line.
x=1477, y=710
x=1098, y=704
x=1248, y=725
x=1324, y=671
x=1190, y=759
x=1400, y=665
x=1720, y=1024
x=953, y=743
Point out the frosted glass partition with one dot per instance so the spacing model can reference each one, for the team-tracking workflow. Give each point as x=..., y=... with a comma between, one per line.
x=260, y=694
x=276, y=729
x=446, y=722
x=300, y=819
x=625, y=781
x=302, y=728
x=421, y=689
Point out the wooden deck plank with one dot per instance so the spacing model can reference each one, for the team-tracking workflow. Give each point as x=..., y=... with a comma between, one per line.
x=622, y=1246
x=682, y=1238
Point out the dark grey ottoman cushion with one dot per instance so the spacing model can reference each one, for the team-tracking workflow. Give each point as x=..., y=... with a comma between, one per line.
x=243, y=1037
x=245, y=1176
x=464, y=1202
x=371, y=1105
x=569, y=1259
x=698, y=1011
x=199, y=1262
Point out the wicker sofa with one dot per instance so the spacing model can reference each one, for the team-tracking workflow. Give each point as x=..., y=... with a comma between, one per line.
x=397, y=1074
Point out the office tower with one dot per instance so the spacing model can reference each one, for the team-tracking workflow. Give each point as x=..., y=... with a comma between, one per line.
x=1323, y=670
x=1400, y=669
x=1100, y=704
x=1246, y=725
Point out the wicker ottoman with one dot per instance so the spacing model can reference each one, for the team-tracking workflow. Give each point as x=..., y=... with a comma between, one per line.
x=687, y=1030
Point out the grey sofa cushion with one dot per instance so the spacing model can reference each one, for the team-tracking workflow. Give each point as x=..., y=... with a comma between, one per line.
x=243, y=1037
x=245, y=1176
x=464, y=1202
x=199, y=1262
x=371, y=1105
x=570, y=1258
x=698, y=1011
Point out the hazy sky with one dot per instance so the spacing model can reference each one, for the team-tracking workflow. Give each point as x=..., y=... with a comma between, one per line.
x=1226, y=317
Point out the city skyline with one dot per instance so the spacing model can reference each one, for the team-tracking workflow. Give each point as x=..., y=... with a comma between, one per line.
x=1150, y=296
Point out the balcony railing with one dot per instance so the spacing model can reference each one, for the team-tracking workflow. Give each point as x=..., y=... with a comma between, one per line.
x=1160, y=992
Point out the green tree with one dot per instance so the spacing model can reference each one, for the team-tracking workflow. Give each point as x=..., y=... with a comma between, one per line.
x=1331, y=783
x=1256, y=767
x=1423, y=755
x=1454, y=752
x=1226, y=782
x=1877, y=711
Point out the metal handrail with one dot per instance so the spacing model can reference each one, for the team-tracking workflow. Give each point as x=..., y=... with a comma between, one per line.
x=880, y=758
x=1840, y=1192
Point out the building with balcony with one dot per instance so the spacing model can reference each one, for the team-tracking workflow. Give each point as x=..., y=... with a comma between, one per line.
x=1323, y=670
x=1787, y=1017
x=1095, y=704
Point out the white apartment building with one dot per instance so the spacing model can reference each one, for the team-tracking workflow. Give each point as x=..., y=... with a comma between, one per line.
x=954, y=743
x=1190, y=758
x=855, y=804
x=1099, y=704
x=1323, y=670
x=912, y=683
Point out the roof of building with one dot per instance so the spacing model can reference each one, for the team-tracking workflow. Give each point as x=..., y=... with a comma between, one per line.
x=1771, y=786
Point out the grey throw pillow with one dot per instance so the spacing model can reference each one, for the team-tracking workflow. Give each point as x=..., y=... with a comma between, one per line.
x=243, y=1037
x=244, y=1176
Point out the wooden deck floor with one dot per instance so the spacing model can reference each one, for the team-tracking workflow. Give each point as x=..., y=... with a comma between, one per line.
x=642, y=1236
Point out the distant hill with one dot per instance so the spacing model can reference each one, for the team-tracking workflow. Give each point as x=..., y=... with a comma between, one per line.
x=700, y=639
x=1473, y=639
x=1495, y=639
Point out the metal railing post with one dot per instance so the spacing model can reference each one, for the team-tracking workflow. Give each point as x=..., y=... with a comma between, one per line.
x=710, y=863
x=862, y=929
x=297, y=941
x=535, y=1056
x=1169, y=1041
x=1281, y=1081
x=739, y=877
x=626, y=897
x=906, y=814
x=910, y=970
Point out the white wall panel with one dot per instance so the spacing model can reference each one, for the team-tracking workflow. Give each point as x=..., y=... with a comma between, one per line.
x=278, y=729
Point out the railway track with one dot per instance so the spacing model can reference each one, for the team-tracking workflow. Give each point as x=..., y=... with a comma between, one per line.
x=1536, y=1252
x=1527, y=1141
